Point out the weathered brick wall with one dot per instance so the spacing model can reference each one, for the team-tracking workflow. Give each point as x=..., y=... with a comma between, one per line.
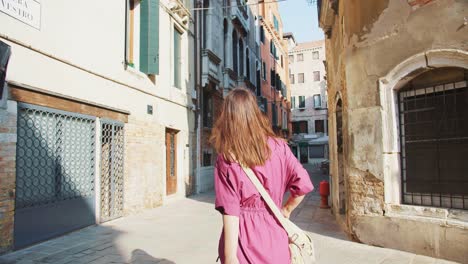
x=7, y=176
x=144, y=165
x=366, y=194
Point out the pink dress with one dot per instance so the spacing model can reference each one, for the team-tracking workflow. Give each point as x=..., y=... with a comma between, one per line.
x=261, y=239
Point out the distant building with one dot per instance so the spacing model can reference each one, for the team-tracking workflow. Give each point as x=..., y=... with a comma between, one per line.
x=397, y=75
x=240, y=46
x=308, y=99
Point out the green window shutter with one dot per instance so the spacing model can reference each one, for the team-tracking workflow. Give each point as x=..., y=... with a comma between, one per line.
x=149, y=36
x=293, y=102
x=177, y=59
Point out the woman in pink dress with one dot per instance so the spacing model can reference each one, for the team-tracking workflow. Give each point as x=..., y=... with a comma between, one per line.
x=242, y=134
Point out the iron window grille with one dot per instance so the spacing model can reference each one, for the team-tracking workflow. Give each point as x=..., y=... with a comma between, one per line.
x=434, y=145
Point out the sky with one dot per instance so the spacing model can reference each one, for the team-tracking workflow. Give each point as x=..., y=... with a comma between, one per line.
x=300, y=18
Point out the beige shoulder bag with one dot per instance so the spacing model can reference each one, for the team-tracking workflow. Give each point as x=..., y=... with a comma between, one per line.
x=300, y=244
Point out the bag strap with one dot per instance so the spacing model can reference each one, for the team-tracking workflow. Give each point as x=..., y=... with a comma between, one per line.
x=266, y=197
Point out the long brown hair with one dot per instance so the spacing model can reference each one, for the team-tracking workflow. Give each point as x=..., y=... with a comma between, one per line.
x=241, y=131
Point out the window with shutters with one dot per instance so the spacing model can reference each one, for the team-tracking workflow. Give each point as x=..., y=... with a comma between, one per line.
x=300, y=127
x=131, y=27
x=300, y=57
x=264, y=72
x=272, y=78
x=291, y=78
x=291, y=58
x=293, y=102
x=207, y=109
x=300, y=77
x=315, y=55
x=319, y=126
x=149, y=36
x=276, y=23
x=234, y=52
x=177, y=58
x=301, y=101
x=262, y=34
x=316, y=76
x=317, y=101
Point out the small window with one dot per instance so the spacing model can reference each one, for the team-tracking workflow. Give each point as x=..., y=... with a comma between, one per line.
x=264, y=72
x=291, y=78
x=300, y=57
x=319, y=126
x=315, y=55
x=316, y=76
x=262, y=34
x=317, y=101
x=300, y=127
x=131, y=33
x=301, y=77
x=291, y=58
x=293, y=102
x=301, y=101
x=207, y=109
x=276, y=23
x=207, y=157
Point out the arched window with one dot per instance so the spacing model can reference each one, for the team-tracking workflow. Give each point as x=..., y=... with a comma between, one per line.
x=241, y=57
x=206, y=5
x=234, y=52
x=225, y=42
x=247, y=63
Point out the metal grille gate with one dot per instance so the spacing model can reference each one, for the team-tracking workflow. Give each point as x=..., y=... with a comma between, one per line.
x=55, y=166
x=112, y=169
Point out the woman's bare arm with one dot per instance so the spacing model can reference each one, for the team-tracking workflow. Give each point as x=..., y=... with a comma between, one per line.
x=231, y=238
x=291, y=204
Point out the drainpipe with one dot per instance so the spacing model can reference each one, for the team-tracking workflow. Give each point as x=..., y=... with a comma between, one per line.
x=198, y=70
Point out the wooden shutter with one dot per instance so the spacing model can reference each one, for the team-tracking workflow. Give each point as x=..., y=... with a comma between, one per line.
x=149, y=36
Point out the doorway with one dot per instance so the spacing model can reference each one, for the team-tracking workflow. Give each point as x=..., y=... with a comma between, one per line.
x=304, y=153
x=171, y=161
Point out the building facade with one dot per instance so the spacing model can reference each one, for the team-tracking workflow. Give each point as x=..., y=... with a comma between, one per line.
x=274, y=96
x=308, y=100
x=398, y=100
x=234, y=42
x=97, y=115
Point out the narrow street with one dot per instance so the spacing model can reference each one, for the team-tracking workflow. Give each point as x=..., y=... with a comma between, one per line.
x=187, y=230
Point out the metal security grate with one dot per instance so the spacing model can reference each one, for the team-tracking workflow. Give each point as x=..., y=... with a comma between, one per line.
x=112, y=169
x=55, y=156
x=434, y=145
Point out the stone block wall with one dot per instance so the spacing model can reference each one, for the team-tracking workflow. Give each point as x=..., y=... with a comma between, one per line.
x=144, y=165
x=7, y=175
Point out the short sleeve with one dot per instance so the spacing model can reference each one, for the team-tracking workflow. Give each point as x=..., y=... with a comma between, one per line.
x=227, y=198
x=298, y=180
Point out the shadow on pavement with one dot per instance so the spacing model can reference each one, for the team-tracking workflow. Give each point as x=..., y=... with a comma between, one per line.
x=94, y=245
x=141, y=257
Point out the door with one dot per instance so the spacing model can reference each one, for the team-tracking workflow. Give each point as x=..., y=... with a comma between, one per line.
x=304, y=154
x=112, y=169
x=171, y=161
x=54, y=173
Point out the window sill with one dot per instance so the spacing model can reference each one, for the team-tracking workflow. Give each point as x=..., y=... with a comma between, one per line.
x=442, y=216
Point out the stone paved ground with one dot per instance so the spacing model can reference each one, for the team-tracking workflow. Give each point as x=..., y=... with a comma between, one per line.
x=187, y=231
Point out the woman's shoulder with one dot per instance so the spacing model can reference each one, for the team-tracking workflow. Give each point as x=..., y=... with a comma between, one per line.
x=277, y=144
x=223, y=164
